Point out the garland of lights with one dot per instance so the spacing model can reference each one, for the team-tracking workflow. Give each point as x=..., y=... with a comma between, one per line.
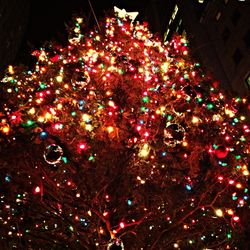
x=118, y=136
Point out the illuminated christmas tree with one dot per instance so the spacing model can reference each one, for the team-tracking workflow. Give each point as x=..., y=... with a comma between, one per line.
x=118, y=141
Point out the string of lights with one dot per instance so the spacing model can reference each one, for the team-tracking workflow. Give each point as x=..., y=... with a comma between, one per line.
x=118, y=140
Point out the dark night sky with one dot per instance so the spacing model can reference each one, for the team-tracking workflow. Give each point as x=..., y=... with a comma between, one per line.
x=48, y=17
x=47, y=20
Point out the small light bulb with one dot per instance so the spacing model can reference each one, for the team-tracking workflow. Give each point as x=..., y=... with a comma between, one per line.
x=219, y=212
x=59, y=78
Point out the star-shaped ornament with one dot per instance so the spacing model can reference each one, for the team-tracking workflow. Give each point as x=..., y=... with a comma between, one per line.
x=123, y=13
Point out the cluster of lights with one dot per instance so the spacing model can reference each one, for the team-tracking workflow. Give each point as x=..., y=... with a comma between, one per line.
x=127, y=91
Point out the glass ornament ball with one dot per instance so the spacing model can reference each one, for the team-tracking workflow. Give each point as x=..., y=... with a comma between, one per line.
x=173, y=134
x=221, y=152
x=115, y=244
x=53, y=154
x=80, y=79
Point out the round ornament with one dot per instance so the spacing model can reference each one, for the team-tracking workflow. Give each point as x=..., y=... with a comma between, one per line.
x=53, y=154
x=115, y=244
x=80, y=79
x=173, y=134
x=221, y=152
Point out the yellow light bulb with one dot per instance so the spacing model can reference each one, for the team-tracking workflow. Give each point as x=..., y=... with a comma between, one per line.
x=85, y=117
x=229, y=112
x=144, y=151
x=230, y=212
x=79, y=20
x=108, y=93
x=11, y=70
x=246, y=172
x=219, y=212
x=195, y=119
x=59, y=78
x=32, y=111
x=183, y=40
x=176, y=245
x=48, y=116
x=89, y=127
x=158, y=112
x=59, y=106
x=140, y=70
x=6, y=130
x=165, y=66
x=111, y=103
x=110, y=129
x=40, y=119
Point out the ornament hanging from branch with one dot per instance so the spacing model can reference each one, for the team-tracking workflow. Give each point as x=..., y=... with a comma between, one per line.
x=53, y=154
x=173, y=134
x=80, y=79
x=115, y=244
x=221, y=152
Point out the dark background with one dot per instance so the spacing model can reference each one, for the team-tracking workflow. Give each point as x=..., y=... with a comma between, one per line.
x=25, y=25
